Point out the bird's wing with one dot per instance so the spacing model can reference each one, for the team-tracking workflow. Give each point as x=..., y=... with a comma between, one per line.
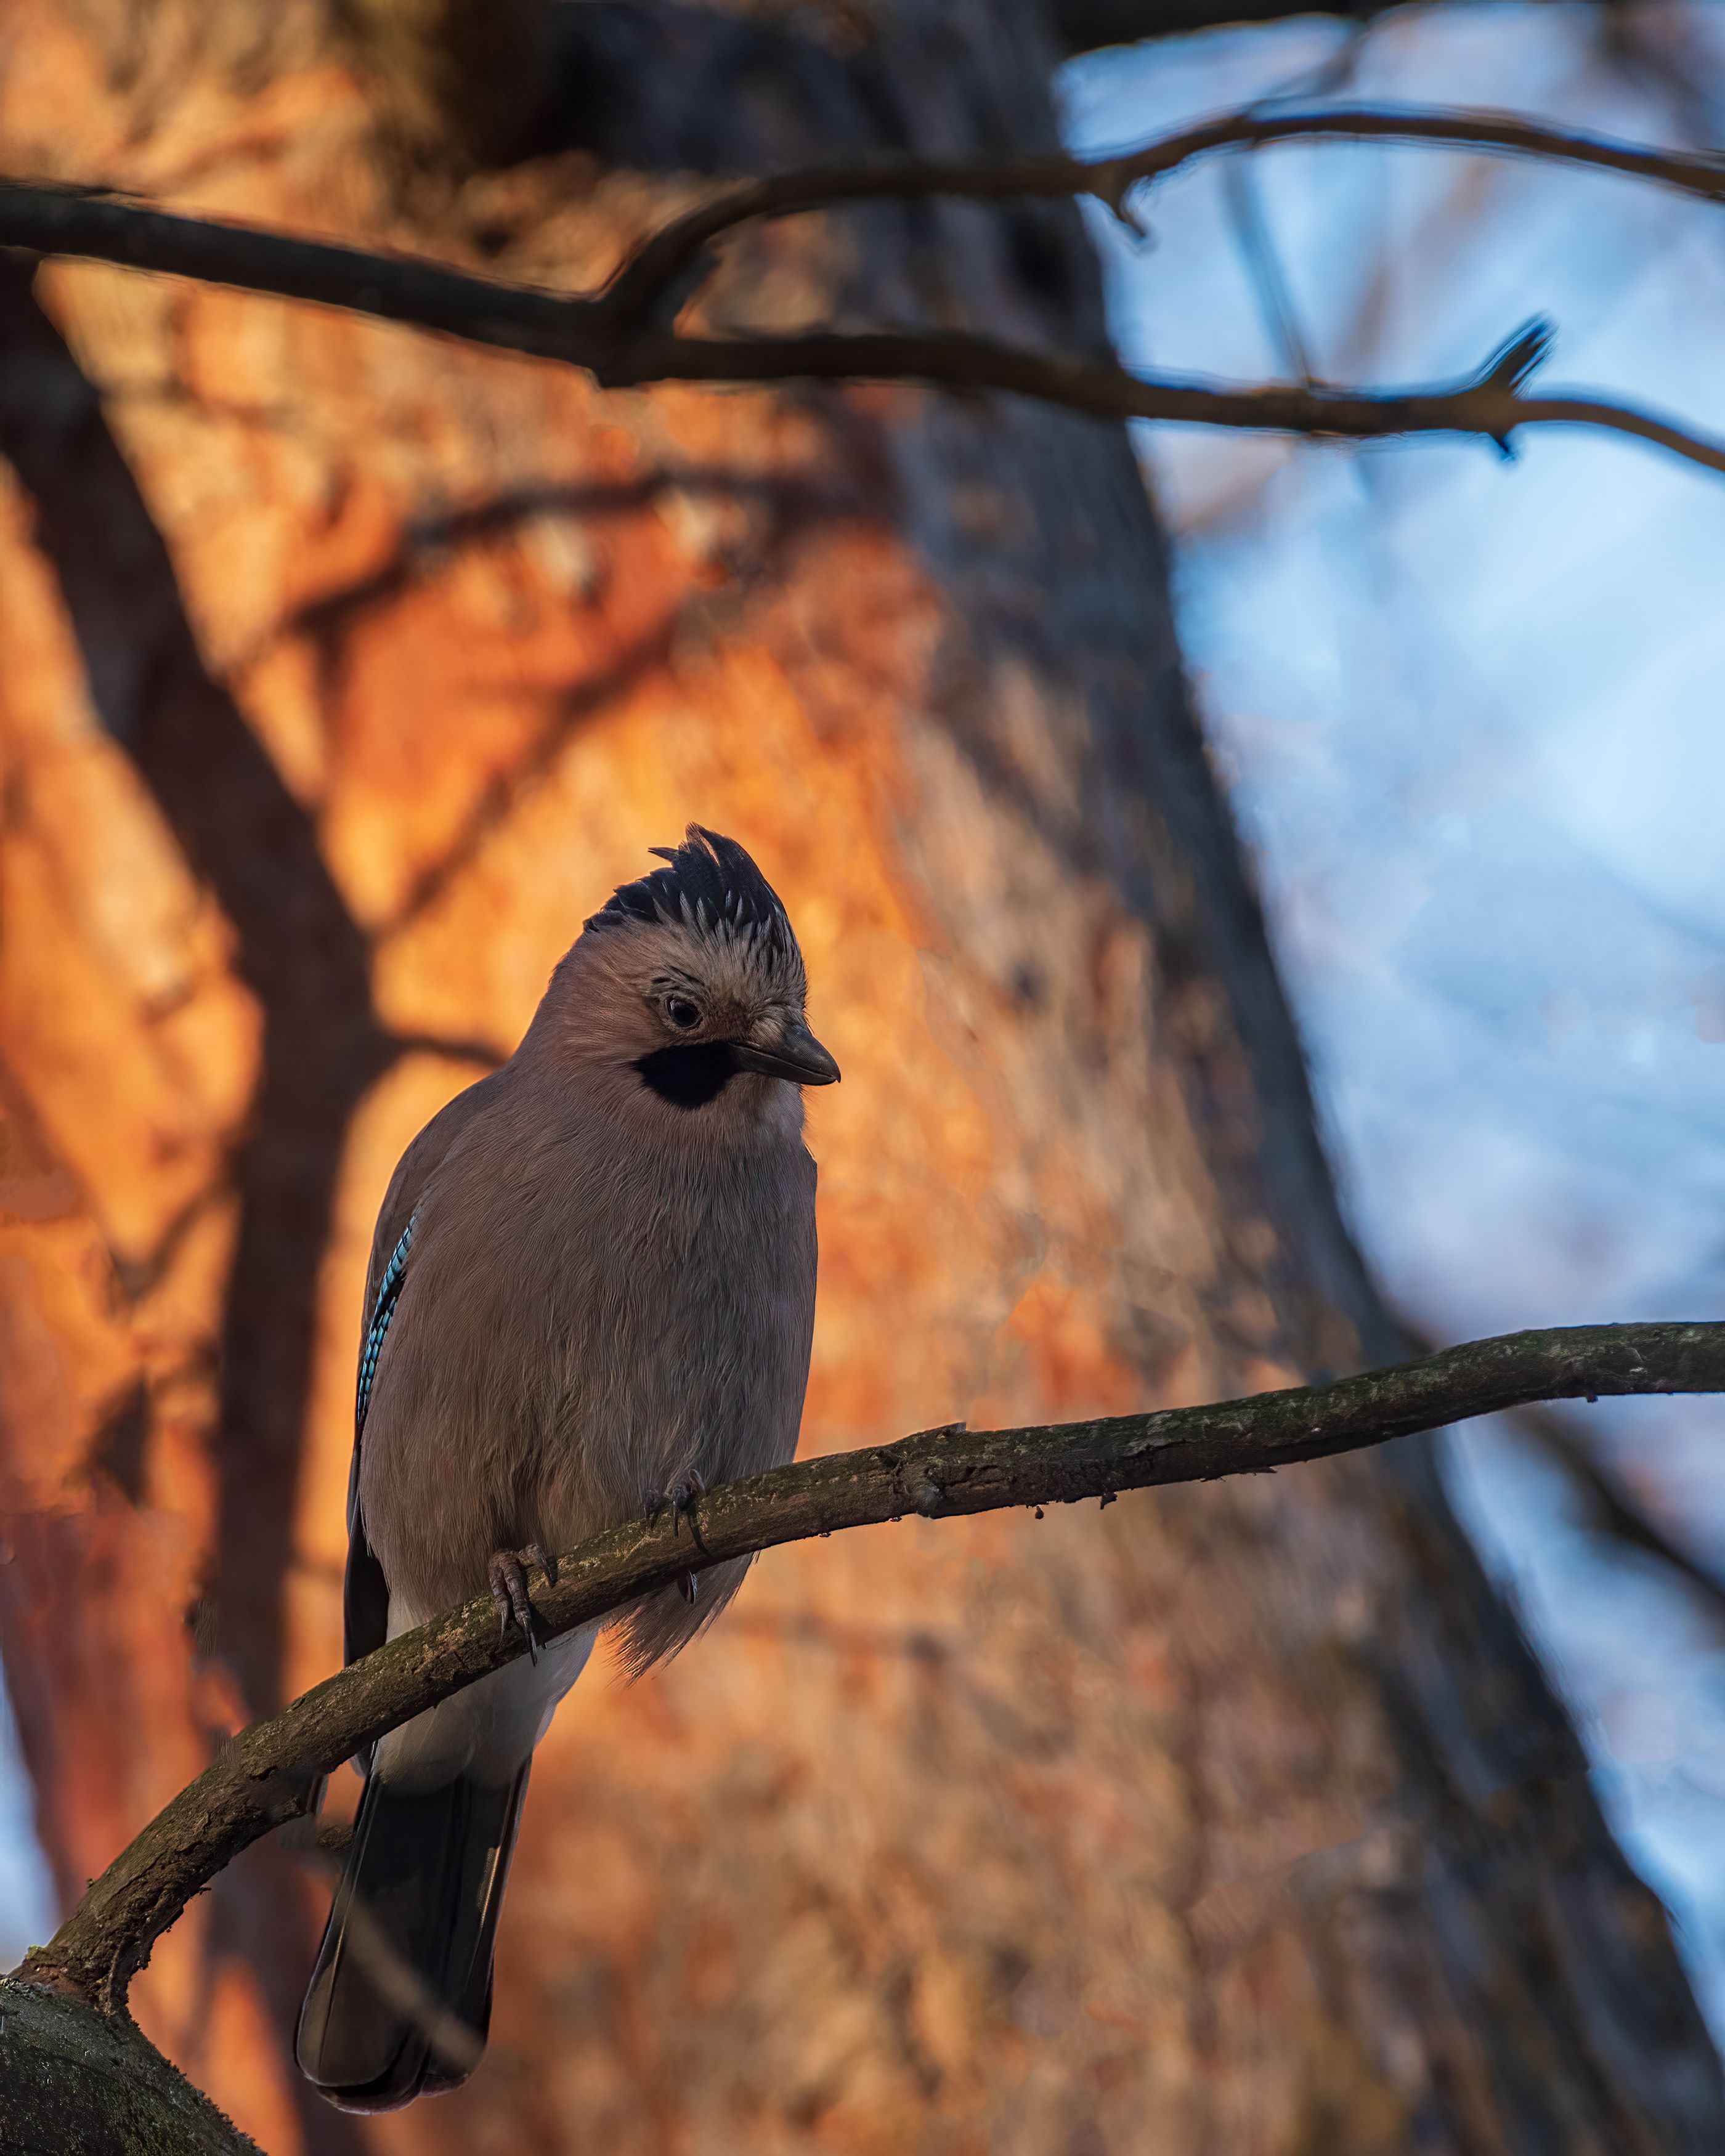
x=365, y=1593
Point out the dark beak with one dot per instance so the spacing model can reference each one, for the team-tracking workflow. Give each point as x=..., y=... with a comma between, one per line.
x=799, y=1057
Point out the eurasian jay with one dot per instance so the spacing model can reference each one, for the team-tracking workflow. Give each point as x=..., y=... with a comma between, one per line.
x=591, y=1292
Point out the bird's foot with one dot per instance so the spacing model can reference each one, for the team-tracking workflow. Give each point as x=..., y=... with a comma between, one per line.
x=681, y=1503
x=508, y=1573
x=680, y=1500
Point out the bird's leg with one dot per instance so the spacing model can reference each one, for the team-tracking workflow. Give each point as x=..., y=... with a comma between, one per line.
x=681, y=1501
x=508, y=1573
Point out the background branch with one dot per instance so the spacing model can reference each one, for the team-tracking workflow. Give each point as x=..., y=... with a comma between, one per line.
x=1611, y=1507
x=662, y=260
x=623, y=336
x=1489, y=405
x=1082, y=26
x=399, y=288
x=271, y=1772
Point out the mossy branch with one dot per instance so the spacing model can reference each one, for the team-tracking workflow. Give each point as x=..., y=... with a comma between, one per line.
x=74, y=2082
x=266, y=1775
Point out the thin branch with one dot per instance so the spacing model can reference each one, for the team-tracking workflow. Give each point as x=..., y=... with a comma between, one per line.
x=1489, y=405
x=270, y=1774
x=622, y=337
x=1611, y=1508
x=1083, y=26
x=1263, y=266
x=397, y=288
x=452, y=1047
x=664, y=261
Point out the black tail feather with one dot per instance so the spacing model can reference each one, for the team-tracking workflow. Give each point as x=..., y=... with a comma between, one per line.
x=400, y=2000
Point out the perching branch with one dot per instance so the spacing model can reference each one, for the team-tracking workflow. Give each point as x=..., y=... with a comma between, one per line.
x=623, y=336
x=266, y=1775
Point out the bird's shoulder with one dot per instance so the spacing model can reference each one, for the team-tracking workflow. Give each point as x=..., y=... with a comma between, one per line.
x=456, y=1121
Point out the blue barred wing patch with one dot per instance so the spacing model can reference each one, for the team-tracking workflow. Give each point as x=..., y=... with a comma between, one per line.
x=388, y=1295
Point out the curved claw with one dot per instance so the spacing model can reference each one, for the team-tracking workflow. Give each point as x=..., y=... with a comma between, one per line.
x=507, y=1574
x=681, y=1504
x=683, y=1507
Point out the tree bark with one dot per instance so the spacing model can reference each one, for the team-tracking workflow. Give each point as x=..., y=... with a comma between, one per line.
x=77, y=2084
x=344, y=670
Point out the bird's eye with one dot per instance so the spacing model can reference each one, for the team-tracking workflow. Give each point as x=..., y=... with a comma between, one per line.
x=682, y=1012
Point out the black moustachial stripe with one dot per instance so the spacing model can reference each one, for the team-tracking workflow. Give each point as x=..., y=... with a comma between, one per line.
x=690, y=1077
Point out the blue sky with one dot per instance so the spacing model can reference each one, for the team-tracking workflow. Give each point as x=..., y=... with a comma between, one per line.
x=1470, y=712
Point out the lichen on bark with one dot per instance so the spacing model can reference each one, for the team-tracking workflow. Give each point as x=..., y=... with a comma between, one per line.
x=74, y=2082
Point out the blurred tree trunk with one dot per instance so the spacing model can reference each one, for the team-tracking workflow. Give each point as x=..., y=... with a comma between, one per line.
x=340, y=671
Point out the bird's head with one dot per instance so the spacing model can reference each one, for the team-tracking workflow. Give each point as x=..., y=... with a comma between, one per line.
x=692, y=977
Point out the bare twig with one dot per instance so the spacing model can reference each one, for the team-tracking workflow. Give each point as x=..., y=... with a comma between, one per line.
x=1083, y=25
x=1609, y=1504
x=400, y=287
x=1488, y=405
x=663, y=262
x=1263, y=266
x=1611, y=1508
x=623, y=336
x=267, y=1775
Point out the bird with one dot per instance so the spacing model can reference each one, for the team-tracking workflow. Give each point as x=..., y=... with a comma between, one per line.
x=591, y=1295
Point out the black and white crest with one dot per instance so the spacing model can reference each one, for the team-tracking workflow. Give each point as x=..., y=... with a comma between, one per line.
x=711, y=887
